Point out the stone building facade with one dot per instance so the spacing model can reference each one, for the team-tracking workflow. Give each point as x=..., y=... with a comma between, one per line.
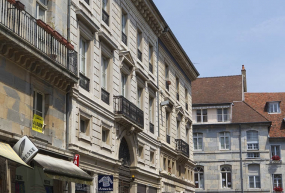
x=232, y=137
x=95, y=80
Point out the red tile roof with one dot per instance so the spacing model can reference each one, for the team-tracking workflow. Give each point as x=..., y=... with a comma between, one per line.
x=243, y=113
x=222, y=89
x=258, y=102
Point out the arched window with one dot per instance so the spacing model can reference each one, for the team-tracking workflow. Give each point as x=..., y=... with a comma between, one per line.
x=199, y=177
x=224, y=140
x=124, y=153
x=252, y=140
x=226, y=173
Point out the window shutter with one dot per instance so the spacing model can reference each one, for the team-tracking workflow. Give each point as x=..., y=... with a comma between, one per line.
x=253, y=170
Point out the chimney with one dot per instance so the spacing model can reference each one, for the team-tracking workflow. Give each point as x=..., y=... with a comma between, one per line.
x=243, y=73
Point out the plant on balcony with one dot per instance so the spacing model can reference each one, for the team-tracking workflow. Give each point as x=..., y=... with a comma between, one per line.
x=275, y=158
x=49, y=29
x=41, y=23
x=69, y=46
x=278, y=189
x=57, y=35
x=19, y=5
x=64, y=41
x=12, y=1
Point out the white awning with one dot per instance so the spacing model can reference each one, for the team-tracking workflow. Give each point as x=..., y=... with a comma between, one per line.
x=62, y=170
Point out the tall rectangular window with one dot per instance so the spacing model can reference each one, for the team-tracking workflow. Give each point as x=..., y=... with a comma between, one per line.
x=201, y=115
x=222, y=115
x=277, y=180
x=199, y=177
x=167, y=123
x=275, y=151
x=139, y=98
x=150, y=110
x=41, y=10
x=224, y=140
x=254, y=179
x=104, y=70
x=38, y=104
x=252, y=140
x=177, y=88
x=167, y=81
x=178, y=130
x=83, y=55
x=105, y=15
x=124, y=27
x=139, y=45
x=150, y=53
x=123, y=84
x=198, y=141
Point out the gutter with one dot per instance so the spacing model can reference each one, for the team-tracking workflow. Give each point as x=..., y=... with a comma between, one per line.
x=240, y=154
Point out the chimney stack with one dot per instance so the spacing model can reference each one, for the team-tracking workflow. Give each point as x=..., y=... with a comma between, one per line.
x=243, y=73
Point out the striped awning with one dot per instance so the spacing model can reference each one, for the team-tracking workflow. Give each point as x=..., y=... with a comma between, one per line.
x=7, y=152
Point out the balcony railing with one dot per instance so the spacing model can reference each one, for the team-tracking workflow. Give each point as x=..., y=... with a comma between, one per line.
x=129, y=110
x=182, y=147
x=139, y=55
x=105, y=96
x=124, y=39
x=168, y=139
x=150, y=67
x=105, y=17
x=25, y=26
x=186, y=106
x=151, y=127
x=84, y=81
x=177, y=96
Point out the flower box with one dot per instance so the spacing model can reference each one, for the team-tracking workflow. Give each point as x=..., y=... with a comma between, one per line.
x=69, y=46
x=275, y=158
x=20, y=5
x=57, y=35
x=49, y=29
x=64, y=41
x=278, y=189
x=41, y=23
x=12, y=1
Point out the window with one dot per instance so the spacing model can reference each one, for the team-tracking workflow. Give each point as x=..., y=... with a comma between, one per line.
x=105, y=15
x=253, y=178
x=38, y=104
x=274, y=107
x=169, y=166
x=202, y=115
x=198, y=141
x=277, y=180
x=177, y=88
x=104, y=70
x=252, y=155
x=150, y=53
x=105, y=5
x=123, y=84
x=139, y=98
x=186, y=99
x=179, y=170
x=178, y=130
x=83, y=55
x=41, y=10
x=124, y=26
x=84, y=124
x=105, y=135
x=167, y=81
x=199, y=177
x=275, y=150
x=139, y=44
x=252, y=140
x=87, y=1
x=164, y=164
x=226, y=173
x=151, y=110
x=140, y=152
x=151, y=157
x=224, y=140
x=222, y=115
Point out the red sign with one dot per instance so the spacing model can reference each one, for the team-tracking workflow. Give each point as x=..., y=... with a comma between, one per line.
x=76, y=160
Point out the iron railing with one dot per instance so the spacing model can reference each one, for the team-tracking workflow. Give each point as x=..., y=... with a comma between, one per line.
x=139, y=55
x=124, y=107
x=105, y=96
x=151, y=127
x=177, y=96
x=150, y=67
x=168, y=139
x=105, y=17
x=124, y=39
x=182, y=147
x=25, y=26
x=84, y=81
x=186, y=106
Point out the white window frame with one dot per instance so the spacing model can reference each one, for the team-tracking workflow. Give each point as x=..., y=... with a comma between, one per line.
x=277, y=184
x=198, y=136
x=151, y=110
x=35, y=99
x=83, y=49
x=274, y=107
x=224, y=115
x=227, y=172
x=105, y=5
x=254, y=181
x=124, y=79
x=139, y=40
x=202, y=115
x=104, y=72
x=124, y=22
x=275, y=150
x=224, y=135
x=253, y=153
x=139, y=97
x=252, y=144
x=167, y=122
x=201, y=180
x=40, y=5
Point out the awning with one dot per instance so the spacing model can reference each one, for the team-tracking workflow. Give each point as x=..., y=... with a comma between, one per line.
x=62, y=170
x=7, y=152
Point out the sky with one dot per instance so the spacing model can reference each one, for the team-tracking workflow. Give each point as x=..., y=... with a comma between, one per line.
x=220, y=36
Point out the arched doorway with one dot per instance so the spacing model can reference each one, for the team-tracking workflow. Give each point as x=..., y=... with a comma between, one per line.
x=124, y=169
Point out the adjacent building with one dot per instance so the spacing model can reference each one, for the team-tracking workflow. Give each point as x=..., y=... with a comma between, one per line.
x=107, y=82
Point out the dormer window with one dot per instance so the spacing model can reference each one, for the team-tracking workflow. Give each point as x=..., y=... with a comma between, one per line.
x=273, y=107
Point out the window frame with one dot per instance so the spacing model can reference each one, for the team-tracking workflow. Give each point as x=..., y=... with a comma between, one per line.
x=35, y=102
x=253, y=144
x=273, y=179
x=152, y=153
x=271, y=153
x=104, y=69
x=198, y=137
x=202, y=115
x=198, y=174
x=223, y=115
x=40, y=5
x=87, y=124
x=271, y=107
x=227, y=173
x=81, y=41
x=124, y=80
x=224, y=136
x=254, y=174
x=151, y=109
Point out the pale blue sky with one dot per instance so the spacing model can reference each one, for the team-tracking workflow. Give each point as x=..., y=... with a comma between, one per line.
x=221, y=35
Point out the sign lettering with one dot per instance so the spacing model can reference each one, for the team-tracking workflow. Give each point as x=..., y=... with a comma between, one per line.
x=38, y=123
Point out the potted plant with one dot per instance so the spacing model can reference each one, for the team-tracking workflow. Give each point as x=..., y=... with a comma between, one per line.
x=69, y=46
x=20, y=5
x=275, y=158
x=41, y=23
x=57, y=35
x=278, y=189
x=12, y=1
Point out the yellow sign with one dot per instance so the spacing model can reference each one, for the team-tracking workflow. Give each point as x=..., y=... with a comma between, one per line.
x=38, y=123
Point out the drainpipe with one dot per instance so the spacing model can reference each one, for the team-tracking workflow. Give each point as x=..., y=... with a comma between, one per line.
x=240, y=154
x=157, y=48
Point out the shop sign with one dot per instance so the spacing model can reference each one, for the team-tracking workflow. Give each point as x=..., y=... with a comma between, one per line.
x=82, y=187
x=105, y=182
x=25, y=149
x=76, y=160
x=38, y=123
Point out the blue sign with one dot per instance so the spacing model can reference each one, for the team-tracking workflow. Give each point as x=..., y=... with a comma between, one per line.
x=105, y=182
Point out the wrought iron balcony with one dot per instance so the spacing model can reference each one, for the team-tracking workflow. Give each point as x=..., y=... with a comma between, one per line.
x=105, y=96
x=30, y=45
x=168, y=139
x=128, y=113
x=150, y=67
x=139, y=55
x=124, y=39
x=182, y=147
x=105, y=17
x=186, y=106
x=151, y=127
x=177, y=96
x=84, y=81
